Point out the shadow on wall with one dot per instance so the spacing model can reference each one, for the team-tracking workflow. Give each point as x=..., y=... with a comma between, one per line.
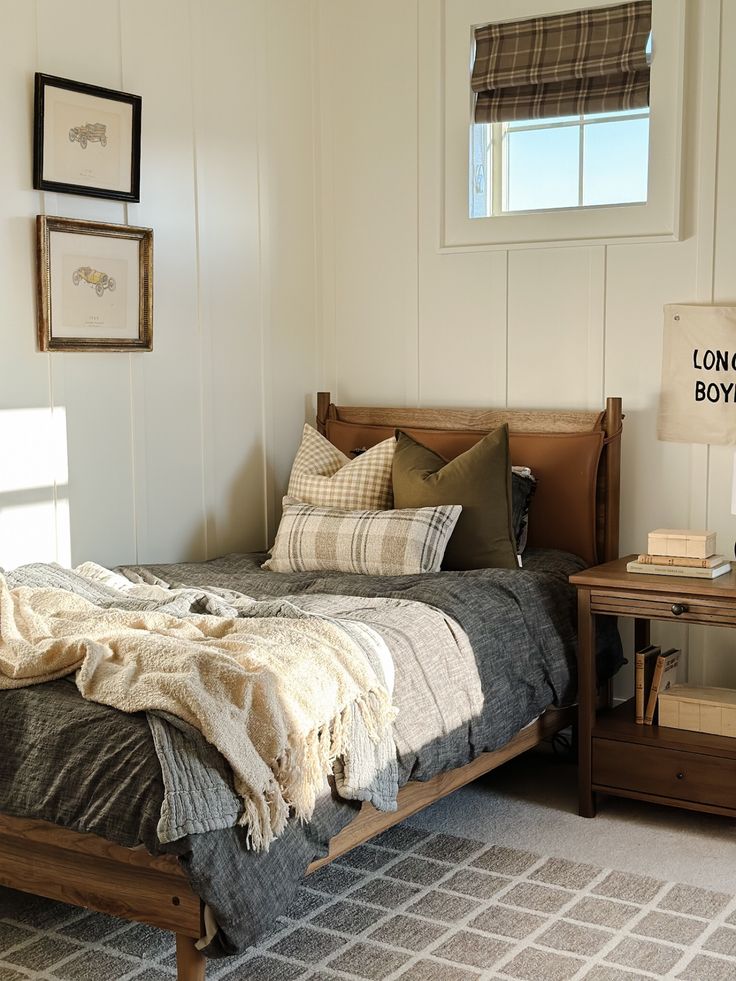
x=241, y=525
x=244, y=529
x=34, y=491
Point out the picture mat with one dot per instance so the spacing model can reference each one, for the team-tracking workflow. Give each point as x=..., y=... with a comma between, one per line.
x=77, y=311
x=65, y=161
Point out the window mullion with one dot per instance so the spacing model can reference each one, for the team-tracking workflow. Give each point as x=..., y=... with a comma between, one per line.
x=498, y=168
x=581, y=158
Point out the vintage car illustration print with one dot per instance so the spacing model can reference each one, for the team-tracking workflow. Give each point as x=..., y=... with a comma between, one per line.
x=100, y=280
x=89, y=133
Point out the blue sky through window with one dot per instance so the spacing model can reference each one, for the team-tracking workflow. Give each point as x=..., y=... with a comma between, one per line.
x=543, y=168
x=543, y=160
x=615, y=167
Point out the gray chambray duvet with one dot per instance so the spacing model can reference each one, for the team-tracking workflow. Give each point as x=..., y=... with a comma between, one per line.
x=494, y=649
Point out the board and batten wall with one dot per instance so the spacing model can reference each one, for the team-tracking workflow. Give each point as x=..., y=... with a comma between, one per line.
x=291, y=176
x=544, y=327
x=177, y=454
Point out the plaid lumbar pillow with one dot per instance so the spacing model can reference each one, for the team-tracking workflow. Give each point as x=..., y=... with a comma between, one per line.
x=322, y=475
x=376, y=543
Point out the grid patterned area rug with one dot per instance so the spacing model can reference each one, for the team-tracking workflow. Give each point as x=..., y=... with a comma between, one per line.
x=420, y=907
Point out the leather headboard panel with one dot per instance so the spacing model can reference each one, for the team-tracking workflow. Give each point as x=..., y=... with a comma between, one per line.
x=563, y=510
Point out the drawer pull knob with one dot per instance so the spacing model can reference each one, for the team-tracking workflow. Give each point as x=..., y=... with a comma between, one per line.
x=680, y=775
x=679, y=608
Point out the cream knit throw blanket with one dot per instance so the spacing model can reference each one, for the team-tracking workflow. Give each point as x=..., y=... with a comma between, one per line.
x=273, y=695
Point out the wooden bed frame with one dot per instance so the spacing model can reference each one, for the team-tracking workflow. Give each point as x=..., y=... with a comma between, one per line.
x=85, y=870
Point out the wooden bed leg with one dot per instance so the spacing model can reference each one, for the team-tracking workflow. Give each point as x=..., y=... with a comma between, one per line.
x=190, y=962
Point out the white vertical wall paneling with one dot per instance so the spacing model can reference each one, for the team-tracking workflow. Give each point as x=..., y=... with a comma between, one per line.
x=720, y=664
x=462, y=336
x=288, y=235
x=270, y=501
x=640, y=280
x=27, y=513
x=551, y=324
x=169, y=483
x=324, y=161
x=596, y=346
x=165, y=451
x=92, y=389
x=582, y=322
x=462, y=297
x=373, y=108
x=701, y=163
x=654, y=475
x=225, y=110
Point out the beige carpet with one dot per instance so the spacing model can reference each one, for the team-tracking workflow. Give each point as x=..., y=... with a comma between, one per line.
x=531, y=803
x=423, y=904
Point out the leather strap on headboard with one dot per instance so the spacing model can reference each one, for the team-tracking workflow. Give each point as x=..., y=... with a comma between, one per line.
x=574, y=455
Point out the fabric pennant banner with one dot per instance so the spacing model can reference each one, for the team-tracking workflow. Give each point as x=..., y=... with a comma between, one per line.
x=697, y=402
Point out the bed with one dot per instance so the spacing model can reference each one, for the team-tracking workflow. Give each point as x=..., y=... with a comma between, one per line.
x=576, y=456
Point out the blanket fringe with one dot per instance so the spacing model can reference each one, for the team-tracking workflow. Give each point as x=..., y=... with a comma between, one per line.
x=302, y=768
x=264, y=816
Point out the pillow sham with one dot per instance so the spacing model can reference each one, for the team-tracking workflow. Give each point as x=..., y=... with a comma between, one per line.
x=324, y=476
x=376, y=543
x=480, y=480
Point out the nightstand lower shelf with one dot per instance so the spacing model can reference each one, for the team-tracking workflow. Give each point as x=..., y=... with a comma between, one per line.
x=676, y=767
x=616, y=756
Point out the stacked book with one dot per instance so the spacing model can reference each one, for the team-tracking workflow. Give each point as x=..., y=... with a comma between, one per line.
x=655, y=673
x=681, y=552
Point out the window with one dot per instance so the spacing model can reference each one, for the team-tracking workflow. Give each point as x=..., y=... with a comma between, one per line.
x=496, y=183
x=566, y=162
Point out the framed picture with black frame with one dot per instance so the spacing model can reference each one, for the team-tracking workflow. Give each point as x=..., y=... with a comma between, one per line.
x=87, y=139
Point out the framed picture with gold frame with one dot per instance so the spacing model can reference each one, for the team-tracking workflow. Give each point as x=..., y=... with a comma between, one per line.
x=95, y=286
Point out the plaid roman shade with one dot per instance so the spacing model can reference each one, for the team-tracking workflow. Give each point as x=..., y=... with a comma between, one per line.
x=563, y=65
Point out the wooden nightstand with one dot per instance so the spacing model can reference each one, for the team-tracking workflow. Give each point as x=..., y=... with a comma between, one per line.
x=616, y=756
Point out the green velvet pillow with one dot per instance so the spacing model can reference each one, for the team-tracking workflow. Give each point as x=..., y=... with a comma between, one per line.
x=480, y=480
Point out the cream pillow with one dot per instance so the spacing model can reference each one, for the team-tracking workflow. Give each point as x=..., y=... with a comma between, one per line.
x=377, y=543
x=324, y=476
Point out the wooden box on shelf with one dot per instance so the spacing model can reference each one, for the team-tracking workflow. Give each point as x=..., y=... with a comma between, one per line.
x=699, y=709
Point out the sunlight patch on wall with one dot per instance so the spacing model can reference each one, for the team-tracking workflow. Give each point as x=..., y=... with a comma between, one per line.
x=34, y=449
x=34, y=502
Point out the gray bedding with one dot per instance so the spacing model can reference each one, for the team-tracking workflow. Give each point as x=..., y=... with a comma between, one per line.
x=91, y=768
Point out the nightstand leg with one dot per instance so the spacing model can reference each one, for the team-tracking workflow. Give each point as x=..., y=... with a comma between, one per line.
x=586, y=703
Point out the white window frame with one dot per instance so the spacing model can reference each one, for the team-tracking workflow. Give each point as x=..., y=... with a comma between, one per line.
x=497, y=164
x=656, y=220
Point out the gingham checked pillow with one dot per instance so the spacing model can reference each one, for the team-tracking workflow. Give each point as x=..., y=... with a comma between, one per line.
x=324, y=476
x=375, y=543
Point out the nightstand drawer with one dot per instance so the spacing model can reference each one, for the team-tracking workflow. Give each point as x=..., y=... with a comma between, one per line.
x=664, y=772
x=664, y=606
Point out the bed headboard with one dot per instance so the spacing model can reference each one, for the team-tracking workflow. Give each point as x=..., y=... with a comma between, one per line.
x=575, y=455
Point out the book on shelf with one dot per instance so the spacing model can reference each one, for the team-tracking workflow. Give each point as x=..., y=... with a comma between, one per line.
x=650, y=569
x=709, y=563
x=665, y=676
x=645, y=662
